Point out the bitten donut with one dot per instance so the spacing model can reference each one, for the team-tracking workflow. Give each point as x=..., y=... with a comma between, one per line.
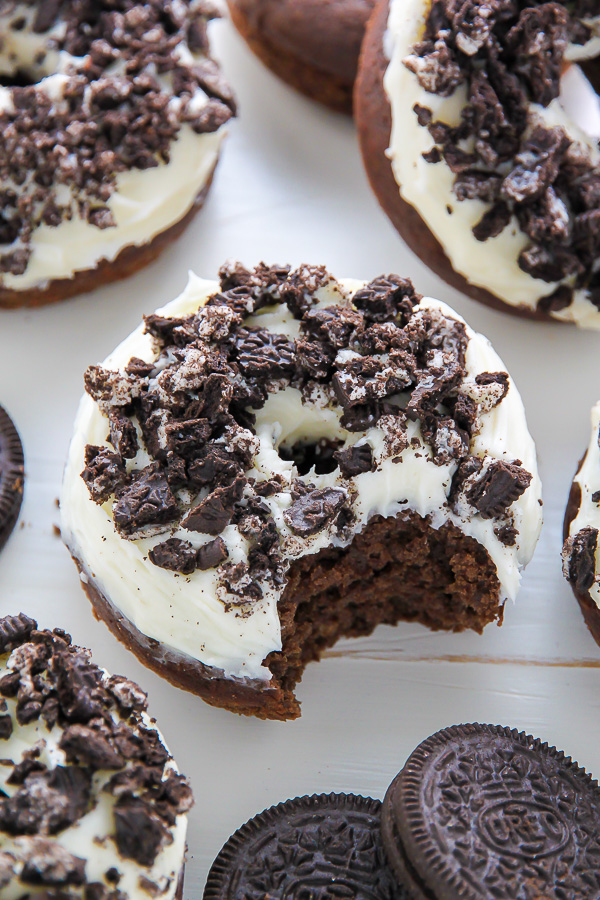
x=112, y=115
x=91, y=804
x=282, y=458
x=479, y=129
x=581, y=565
x=312, y=44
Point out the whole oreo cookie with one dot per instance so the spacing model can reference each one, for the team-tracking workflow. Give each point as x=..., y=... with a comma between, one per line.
x=482, y=811
x=12, y=475
x=324, y=846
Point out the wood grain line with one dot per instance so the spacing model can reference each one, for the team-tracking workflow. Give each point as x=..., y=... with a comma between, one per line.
x=584, y=663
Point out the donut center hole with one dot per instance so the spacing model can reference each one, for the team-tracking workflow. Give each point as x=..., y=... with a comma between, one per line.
x=309, y=455
x=20, y=78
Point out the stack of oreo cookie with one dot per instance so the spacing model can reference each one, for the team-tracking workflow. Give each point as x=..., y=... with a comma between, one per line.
x=478, y=811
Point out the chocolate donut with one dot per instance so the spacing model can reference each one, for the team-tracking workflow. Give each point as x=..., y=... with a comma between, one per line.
x=112, y=115
x=278, y=460
x=580, y=531
x=91, y=804
x=479, y=129
x=312, y=44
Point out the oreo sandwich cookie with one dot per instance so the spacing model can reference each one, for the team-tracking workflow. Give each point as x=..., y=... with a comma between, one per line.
x=324, y=846
x=482, y=812
x=12, y=475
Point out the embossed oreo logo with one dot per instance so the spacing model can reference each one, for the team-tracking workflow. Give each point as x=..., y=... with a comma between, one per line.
x=526, y=830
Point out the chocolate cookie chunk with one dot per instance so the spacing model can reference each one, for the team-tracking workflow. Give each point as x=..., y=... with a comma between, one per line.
x=482, y=811
x=90, y=797
x=12, y=475
x=323, y=846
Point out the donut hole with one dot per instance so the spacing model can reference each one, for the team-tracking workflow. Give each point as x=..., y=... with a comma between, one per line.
x=20, y=78
x=398, y=569
x=309, y=455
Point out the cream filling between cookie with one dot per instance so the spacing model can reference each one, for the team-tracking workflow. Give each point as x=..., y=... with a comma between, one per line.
x=588, y=479
x=91, y=837
x=492, y=264
x=185, y=612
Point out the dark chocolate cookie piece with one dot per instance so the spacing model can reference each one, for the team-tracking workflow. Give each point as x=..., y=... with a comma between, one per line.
x=482, y=811
x=324, y=846
x=12, y=475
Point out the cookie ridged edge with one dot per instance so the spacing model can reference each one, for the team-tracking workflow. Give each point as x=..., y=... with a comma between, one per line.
x=410, y=780
x=11, y=478
x=220, y=868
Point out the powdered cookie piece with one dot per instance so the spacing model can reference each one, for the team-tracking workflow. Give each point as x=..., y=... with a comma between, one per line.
x=327, y=845
x=482, y=811
x=12, y=476
x=91, y=804
x=581, y=566
x=479, y=129
x=311, y=44
x=112, y=116
x=282, y=458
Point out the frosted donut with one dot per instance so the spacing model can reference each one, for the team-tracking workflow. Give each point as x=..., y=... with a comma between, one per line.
x=91, y=804
x=479, y=128
x=112, y=115
x=291, y=458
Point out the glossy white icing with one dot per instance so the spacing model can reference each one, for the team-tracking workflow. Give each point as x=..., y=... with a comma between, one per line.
x=492, y=264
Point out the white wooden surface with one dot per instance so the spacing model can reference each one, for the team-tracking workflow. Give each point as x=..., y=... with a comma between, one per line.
x=291, y=188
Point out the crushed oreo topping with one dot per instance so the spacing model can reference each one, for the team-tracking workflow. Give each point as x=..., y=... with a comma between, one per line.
x=109, y=747
x=509, y=55
x=579, y=558
x=379, y=359
x=134, y=79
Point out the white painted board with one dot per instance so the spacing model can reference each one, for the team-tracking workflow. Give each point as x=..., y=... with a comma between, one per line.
x=290, y=188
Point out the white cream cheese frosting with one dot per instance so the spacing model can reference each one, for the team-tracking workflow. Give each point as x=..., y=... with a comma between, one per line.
x=189, y=613
x=491, y=264
x=588, y=514
x=143, y=202
x=88, y=844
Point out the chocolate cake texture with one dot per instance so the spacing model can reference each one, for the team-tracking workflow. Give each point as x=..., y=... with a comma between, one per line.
x=490, y=174
x=112, y=115
x=91, y=804
x=281, y=459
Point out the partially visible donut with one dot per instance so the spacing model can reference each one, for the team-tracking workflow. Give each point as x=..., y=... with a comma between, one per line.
x=581, y=560
x=112, y=115
x=280, y=459
x=92, y=806
x=479, y=131
x=312, y=44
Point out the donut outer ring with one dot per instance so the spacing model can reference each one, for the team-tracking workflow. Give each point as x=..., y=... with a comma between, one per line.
x=130, y=259
x=333, y=89
x=212, y=685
